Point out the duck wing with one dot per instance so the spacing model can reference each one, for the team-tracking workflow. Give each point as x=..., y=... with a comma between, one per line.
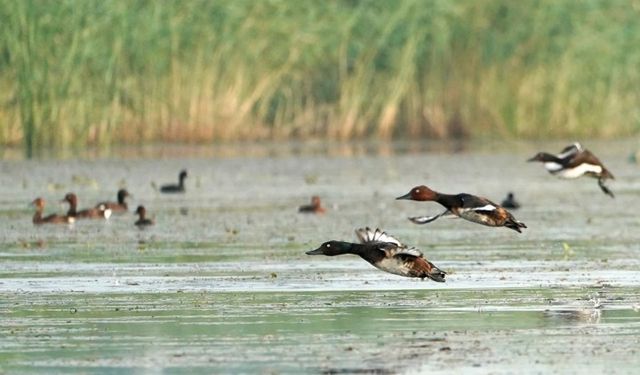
x=475, y=203
x=366, y=235
x=570, y=151
x=428, y=219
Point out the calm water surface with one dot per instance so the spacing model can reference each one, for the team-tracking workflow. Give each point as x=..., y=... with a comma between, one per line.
x=221, y=283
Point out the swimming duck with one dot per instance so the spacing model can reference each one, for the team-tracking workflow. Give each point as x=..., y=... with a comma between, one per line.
x=142, y=220
x=314, y=208
x=172, y=188
x=575, y=161
x=119, y=206
x=385, y=253
x=100, y=212
x=510, y=202
x=470, y=207
x=39, y=203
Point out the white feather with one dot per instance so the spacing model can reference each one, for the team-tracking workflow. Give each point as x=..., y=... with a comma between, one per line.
x=552, y=167
x=368, y=235
x=577, y=147
x=488, y=207
x=579, y=171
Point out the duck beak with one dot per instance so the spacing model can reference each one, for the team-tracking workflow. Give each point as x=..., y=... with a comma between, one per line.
x=535, y=158
x=317, y=251
x=406, y=196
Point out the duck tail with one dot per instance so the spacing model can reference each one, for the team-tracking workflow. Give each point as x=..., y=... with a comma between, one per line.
x=604, y=188
x=435, y=273
x=515, y=225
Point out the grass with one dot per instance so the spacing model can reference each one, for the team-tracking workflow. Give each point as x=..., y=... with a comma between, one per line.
x=95, y=72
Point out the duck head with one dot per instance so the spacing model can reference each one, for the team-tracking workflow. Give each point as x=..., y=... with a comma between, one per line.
x=70, y=198
x=331, y=248
x=38, y=203
x=183, y=174
x=141, y=211
x=542, y=157
x=420, y=193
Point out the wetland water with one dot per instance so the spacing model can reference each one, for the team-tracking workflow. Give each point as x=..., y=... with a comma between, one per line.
x=221, y=283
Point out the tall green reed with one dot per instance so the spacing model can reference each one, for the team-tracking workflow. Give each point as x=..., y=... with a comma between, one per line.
x=93, y=72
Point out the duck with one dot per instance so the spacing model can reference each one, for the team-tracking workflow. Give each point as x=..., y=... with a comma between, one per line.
x=100, y=212
x=142, y=220
x=575, y=161
x=510, y=202
x=38, y=219
x=469, y=207
x=172, y=188
x=314, y=208
x=386, y=253
x=119, y=206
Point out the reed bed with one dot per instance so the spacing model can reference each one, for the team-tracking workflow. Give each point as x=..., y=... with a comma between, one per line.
x=95, y=72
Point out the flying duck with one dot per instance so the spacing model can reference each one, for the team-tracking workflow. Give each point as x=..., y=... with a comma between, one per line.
x=385, y=253
x=575, y=161
x=470, y=207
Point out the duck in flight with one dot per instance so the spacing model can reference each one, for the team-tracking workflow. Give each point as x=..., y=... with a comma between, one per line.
x=470, y=207
x=575, y=161
x=385, y=253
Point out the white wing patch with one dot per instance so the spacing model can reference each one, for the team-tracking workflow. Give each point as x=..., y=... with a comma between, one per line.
x=579, y=170
x=570, y=150
x=552, y=167
x=488, y=207
x=367, y=235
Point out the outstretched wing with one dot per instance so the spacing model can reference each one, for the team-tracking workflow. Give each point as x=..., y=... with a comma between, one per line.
x=428, y=219
x=366, y=235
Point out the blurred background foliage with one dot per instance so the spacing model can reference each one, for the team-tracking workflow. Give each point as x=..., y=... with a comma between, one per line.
x=95, y=72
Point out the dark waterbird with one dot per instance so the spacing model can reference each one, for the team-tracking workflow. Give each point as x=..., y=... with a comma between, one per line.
x=510, y=202
x=385, y=253
x=469, y=207
x=120, y=205
x=173, y=188
x=142, y=219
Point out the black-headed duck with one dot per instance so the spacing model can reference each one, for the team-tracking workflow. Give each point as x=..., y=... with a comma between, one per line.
x=470, y=207
x=119, y=206
x=385, y=253
x=142, y=219
x=39, y=204
x=172, y=188
x=510, y=202
x=575, y=161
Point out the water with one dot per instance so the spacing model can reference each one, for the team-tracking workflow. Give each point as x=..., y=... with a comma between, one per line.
x=221, y=283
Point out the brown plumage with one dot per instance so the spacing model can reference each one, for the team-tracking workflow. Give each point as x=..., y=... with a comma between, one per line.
x=385, y=253
x=470, y=207
x=39, y=204
x=314, y=208
x=89, y=213
x=575, y=161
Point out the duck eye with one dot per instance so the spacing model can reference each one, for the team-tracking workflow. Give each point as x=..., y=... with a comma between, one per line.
x=328, y=245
